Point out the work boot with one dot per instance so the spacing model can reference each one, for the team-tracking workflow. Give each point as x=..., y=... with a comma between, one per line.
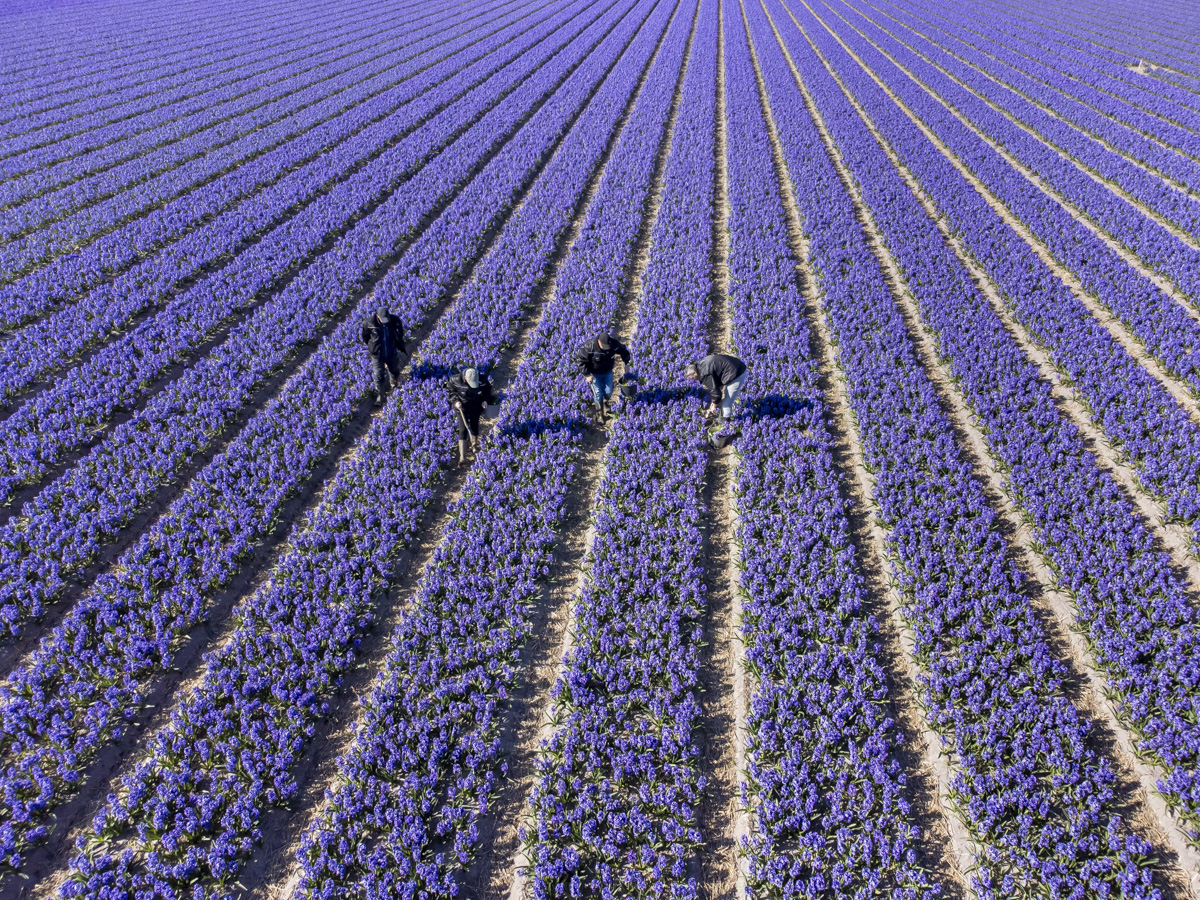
x=379, y=398
x=462, y=451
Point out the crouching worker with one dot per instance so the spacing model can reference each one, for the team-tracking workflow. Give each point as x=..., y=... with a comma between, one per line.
x=384, y=336
x=470, y=392
x=723, y=377
x=595, y=360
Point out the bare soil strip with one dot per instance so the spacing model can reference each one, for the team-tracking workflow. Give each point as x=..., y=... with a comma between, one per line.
x=1135, y=780
x=1179, y=233
x=945, y=845
x=725, y=820
x=74, y=816
x=1146, y=809
x=1173, y=536
x=499, y=829
x=1127, y=256
x=722, y=818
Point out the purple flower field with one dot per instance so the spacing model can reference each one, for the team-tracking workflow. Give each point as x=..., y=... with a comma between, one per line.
x=920, y=620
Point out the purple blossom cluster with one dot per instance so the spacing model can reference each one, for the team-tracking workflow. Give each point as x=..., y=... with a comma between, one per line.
x=457, y=655
x=60, y=707
x=1143, y=629
x=618, y=793
x=125, y=471
x=1036, y=796
x=828, y=795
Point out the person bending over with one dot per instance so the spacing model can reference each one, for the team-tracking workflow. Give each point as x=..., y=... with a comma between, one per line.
x=723, y=377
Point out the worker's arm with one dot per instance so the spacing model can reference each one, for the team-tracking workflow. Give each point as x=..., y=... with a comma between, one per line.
x=623, y=352
x=714, y=390
x=399, y=337
x=366, y=332
x=581, y=360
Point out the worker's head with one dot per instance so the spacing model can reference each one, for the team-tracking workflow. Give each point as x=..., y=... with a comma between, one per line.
x=603, y=342
x=383, y=315
x=691, y=372
x=471, y=376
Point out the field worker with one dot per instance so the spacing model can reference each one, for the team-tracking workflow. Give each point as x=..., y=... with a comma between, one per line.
x=595, y=361
x=470, y=393
x=723, y=377
x=384, y=336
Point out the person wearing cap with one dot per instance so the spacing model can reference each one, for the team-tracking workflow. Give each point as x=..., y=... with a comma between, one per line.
x=470, y=392
x=722, y=376
x=595, y=361
x=384, y=336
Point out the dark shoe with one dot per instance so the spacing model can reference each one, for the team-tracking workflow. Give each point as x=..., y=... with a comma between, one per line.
x=378, y=399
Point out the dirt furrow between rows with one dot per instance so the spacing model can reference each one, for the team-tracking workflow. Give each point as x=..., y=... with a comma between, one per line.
x=1135, y=779
x=72, y=818
x=724, y=870
x=1146, y=809
x=944, y=843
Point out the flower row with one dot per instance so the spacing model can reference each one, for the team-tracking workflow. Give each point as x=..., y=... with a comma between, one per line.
x=829, y=798
x=86, y=680
x=457, y=655
x=337, y=177
x=1135, y=611
x=1026, y=781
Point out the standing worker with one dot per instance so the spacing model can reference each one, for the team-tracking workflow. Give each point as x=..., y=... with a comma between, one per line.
x=723, y=377
x=384, y=336
x=596, y=359
x=470, y=393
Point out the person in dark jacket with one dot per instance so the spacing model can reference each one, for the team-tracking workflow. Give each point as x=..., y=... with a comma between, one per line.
x=723, y=377
x=384, y=336
x=595, y=361
x=470, y=393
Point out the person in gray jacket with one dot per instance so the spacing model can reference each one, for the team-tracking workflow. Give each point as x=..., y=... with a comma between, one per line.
x=723, y=377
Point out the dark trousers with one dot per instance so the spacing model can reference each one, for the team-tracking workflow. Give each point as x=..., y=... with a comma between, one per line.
x=472, y=421
x=381, y=368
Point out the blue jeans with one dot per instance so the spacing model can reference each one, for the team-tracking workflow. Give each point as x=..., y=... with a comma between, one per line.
x=602, y=387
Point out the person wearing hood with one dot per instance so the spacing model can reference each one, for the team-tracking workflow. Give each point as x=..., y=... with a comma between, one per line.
x=384, y=336
x=723, y=377
x=595, y=361
x=470, y=393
